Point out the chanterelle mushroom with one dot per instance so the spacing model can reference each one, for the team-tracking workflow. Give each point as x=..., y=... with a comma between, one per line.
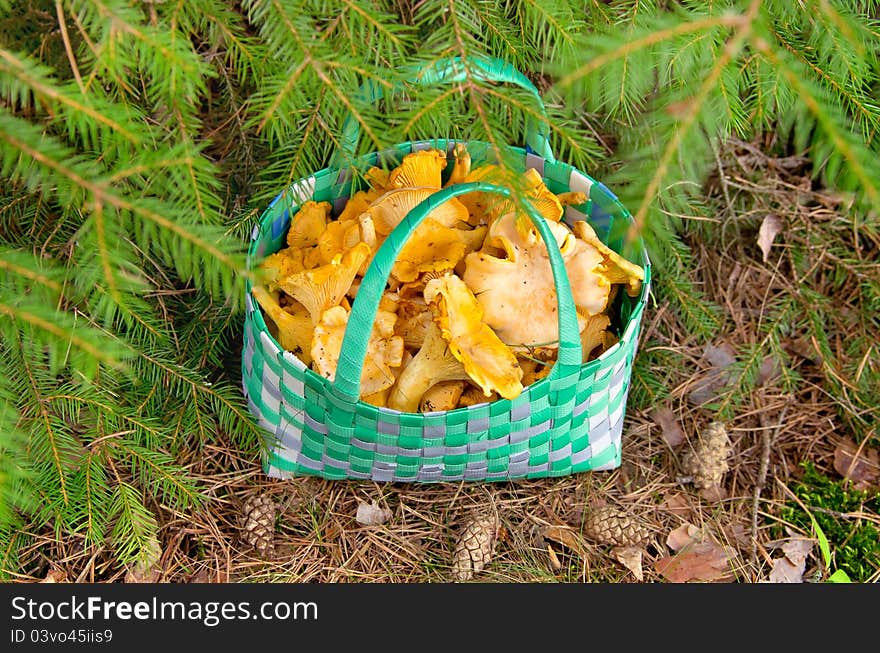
x=614, y=268
x=384, y=350
x=307, y=224
x=462, y=165
x=593, y=334
x=280, y=265
x=294, y=325
x=487, y=360
x=325, y=286
x=392, y=207
x=433, y=247
x=434, y=363
x=421, y=168
x=502, y=284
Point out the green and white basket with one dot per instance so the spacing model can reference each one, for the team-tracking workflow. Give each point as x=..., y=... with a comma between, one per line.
x=570, y=421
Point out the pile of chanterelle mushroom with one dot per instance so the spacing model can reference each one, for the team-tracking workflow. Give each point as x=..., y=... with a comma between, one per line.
x=469, y=312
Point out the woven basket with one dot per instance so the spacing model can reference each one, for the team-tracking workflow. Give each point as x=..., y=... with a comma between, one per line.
x=570, y=421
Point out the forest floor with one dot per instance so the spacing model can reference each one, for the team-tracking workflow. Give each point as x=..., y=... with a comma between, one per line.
x=753, y=527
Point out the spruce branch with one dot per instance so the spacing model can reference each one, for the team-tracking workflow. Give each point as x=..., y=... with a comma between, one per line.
x=695, y=107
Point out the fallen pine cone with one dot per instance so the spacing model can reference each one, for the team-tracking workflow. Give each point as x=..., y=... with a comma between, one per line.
x=258, y=524
x=707, y=461
x=476, y=545
x=610, y=525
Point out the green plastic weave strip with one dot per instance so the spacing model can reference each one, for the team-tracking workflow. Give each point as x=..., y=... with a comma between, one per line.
x=568, y=422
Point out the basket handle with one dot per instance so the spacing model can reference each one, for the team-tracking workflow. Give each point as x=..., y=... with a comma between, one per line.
x=451, y=70
x=366, y=303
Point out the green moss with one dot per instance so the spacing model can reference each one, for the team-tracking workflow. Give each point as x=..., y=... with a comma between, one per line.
x=854, y=543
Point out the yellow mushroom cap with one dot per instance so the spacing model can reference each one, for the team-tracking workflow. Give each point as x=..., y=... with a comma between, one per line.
x=539, y=195
x=326, y=286
x=294, y=324
x=615, y=268
x=423, y=168
x=433, y=247
x=462, y=165
x=442, y=396
x=593, y=334
x=280, y=265
x=377, y=178
x=307, y=224
x=413, y=320
x=357, y=204
x=433, y=363
x=392, y=207
x=486, y=359
x=384, y=350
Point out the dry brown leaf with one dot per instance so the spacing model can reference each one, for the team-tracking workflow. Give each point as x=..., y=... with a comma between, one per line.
x=631, y=558
x=802, y=348
x=784, y=571
x=670, y=428
x=797, y=549
x=698, y=561
x=677, y=503
x=770, y=369
x=370, y=514
x=564, y=536
x=554, y=559
x=55, y=575
x=790, y=567
x=771, y=225
x=862, y=468
x=685, y=534
x=714, y=494
x=720, y=358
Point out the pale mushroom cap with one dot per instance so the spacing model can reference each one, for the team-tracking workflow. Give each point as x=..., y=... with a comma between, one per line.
x=615, y=268
x=384, y=350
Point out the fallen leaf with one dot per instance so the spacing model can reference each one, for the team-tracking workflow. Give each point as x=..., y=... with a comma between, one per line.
x=371, y=514
x=714, y=494
x=677, y=503
x=862, y=468
x=698, y=561
x=55, y=575
x=797, y=549
x=790, y=567
x=566, y=537
x=554, y=559
x=631, y=558
x=200, y=577
x=784, y=571
x=771, y=225
x=669, y=425
x=737, y=534
x=721, y=356
x=679, y=538
x=803, y=349
x=706, y=388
